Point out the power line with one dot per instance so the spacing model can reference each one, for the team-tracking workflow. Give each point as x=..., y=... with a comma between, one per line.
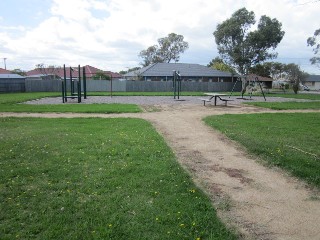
x=301, y=4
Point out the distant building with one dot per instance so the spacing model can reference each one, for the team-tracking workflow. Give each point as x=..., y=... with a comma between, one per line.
x=188, y=72
x=12, y=83
x=58, y=72
x=313, y=82
x=267, y=82
x=4, y=71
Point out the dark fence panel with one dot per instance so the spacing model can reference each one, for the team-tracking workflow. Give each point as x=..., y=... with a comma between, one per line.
x=12, y=85
x=132, y=86
x=43, y=85
x=105, y=86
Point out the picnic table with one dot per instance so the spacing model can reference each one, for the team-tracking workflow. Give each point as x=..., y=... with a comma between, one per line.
x=215, y=96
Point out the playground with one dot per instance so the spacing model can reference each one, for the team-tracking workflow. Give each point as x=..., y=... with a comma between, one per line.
x=263, y=202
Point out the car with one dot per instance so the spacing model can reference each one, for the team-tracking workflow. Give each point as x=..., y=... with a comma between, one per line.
x=304, y=87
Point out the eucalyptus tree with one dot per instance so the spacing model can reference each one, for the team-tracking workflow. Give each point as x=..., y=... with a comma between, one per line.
x=314, y=42
x=242, y=48
x=168, y=49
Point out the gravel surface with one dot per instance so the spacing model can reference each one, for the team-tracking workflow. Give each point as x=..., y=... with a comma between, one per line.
x=152, y=100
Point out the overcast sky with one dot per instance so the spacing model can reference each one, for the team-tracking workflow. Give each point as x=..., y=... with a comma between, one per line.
x=109, y=34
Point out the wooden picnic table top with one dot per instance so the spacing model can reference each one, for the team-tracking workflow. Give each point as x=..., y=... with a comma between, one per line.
x=215, y=94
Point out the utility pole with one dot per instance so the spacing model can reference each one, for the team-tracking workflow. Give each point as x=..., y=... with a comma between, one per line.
x=5, y=66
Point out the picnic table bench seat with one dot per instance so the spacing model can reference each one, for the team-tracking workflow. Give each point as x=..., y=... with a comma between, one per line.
x=225, y=100
x=204, y=100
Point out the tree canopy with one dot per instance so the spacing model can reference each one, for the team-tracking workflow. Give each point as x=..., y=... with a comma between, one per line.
x=276, y=70
x=314, y=42
x=168, y=49
x=243, y=49
x=218, y=64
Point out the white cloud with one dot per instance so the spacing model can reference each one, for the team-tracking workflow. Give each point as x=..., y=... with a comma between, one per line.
x=110, y=34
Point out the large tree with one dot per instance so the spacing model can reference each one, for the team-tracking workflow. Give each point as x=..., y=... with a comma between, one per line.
x=274, y=70
x=168, y=49
x=242, y=48
x=314, y=42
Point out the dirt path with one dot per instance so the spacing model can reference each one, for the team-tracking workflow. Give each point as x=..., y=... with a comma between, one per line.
x=262, y=203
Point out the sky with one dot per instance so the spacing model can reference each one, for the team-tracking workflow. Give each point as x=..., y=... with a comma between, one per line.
x=109, y=34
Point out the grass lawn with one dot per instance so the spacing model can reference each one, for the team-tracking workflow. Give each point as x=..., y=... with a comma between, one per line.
x=97, y=179
x=9, y=103
x=309, y=96
x=290, y=105
x=290, y=141
x=287, y=105
x=75, y=108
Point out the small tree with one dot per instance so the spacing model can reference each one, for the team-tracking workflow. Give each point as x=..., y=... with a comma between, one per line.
x=19, y=72
x=129, y=70
x=101, y=76
x=47, y=70
x=295, y=75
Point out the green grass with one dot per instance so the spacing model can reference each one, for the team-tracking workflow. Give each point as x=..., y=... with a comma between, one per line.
x=296, y=96
x=11, y=98
x=75, y=108
x=97, y=179
x=9, y=103
x=290, y=141
x=287, y=105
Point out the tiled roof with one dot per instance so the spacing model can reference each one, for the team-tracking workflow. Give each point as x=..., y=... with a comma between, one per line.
x=313, y=78
x=10, y=75
x=3, y=71
x=90, y=71
x=261, y=79
x=185, y=70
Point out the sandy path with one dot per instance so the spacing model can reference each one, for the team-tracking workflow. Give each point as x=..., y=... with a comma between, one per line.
x=262, y=203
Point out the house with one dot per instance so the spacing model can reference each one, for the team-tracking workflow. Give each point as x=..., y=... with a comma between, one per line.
x=42, y=77
x=188, y=72
x=313, y=82
x=267, y=82
x=12, y=83
x=90, y=72
x=4, y=71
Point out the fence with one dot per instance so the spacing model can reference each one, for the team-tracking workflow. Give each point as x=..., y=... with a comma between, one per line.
x=132, y=86
x=8, y=85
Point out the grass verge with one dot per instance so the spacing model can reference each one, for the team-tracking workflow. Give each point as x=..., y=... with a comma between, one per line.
x=290, y=141
x=287, y=105
x=75, y=108
x=9, y=103
x=97, y=179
